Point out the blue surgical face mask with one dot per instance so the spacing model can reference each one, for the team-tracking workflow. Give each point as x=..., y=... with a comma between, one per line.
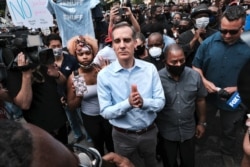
x=212, y=19
x=247, y=24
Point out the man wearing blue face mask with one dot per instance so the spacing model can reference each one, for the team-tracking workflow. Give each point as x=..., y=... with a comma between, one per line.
x=191, y=39
x=214, y=18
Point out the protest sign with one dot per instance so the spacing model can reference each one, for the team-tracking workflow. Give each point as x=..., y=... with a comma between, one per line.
x=30, y=13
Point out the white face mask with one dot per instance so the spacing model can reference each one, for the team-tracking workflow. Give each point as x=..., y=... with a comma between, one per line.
x=57, y=52
x=172, y=14
x=201, y=22
x=155, y=52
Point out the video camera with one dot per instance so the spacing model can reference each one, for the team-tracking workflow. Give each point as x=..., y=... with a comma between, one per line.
x=22, y=40
x=32, y=46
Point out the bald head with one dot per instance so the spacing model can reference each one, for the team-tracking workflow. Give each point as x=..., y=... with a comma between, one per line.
x=155, y=39
x=31, y=146
x=173, y=48
x=15, y=145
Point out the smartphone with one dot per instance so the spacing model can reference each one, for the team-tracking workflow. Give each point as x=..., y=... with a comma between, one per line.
x=122, y=11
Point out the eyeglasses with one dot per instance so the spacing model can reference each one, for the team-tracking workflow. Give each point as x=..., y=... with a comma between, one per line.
x=231, y=32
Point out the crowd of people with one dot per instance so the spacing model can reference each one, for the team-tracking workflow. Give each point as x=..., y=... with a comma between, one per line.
x=144, y=82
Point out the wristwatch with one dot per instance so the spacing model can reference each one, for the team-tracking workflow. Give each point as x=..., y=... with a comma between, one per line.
x=203, y=124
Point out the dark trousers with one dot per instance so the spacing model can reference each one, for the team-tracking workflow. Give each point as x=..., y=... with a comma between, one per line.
x=100, y=131
x=61, y=134
x=171, y=149
x=229, y=123
x=139, y=149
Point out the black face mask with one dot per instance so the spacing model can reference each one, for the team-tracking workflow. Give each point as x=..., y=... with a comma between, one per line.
x=175, y=23
x=183, y=29
x=181, y=10
x=175, y=70
x=159, y=17
x=168, y=15
x=139, y=50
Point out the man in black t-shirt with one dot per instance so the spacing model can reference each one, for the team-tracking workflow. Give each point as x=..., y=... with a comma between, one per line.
x=191, y=39
x=158, y=22
x=35, y=92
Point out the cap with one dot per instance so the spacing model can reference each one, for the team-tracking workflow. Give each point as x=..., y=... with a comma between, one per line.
x=108, y=39
x=233, y=3
x=202, y=8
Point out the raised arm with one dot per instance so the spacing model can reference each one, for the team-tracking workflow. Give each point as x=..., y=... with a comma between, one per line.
x=24, y=97
x=73, y=101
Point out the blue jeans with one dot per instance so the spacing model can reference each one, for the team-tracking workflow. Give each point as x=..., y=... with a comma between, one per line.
x=14, y=111
x=74, y=121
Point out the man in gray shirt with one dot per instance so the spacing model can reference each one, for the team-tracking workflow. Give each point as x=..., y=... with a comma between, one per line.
x=185, y=95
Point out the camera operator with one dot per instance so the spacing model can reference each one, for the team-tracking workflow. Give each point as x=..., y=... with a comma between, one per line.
x=34, y=90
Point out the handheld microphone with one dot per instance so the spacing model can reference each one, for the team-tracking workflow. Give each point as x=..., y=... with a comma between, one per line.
x=89, y=157
x=84, y=160
x=235, y=100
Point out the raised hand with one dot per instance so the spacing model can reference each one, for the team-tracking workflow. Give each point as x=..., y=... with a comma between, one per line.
x=135, y=98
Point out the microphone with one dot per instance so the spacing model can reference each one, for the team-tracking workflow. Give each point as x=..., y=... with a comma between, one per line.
x=235, y=100
x=88, y=157
x=84, y=160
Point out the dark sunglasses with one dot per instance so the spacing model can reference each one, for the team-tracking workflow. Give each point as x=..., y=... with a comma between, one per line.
x=231, y=32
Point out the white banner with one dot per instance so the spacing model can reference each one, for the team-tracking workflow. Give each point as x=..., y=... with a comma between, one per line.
x=30, y=13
